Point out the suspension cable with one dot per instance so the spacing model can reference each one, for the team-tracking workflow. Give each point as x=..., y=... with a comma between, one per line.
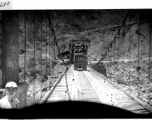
x=25, y=46
x=150, y=26
x=114, y=50
x=49, y=53
x=34, y=63
x=41, y=40
x=138, y=37
x=53, y=32
x=46, y=42
x=127, y=13
x=120, y=27
x=108, y=53
x=41, y=52
x=138, y=33
x=105, y=32
x=123, y=53
x=130, y=51
x=118, y=47
x=107, y=62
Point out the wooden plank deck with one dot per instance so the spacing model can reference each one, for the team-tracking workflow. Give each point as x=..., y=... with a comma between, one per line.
x=90, y=86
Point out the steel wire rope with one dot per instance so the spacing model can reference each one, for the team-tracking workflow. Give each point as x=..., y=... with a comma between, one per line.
x=150, y=27
x=118, y=59
x=66, y=74
x=54, y=37
x=123, y=51
x=46, y=42
x=114, y=58
x=118, y=47
x=25, y=47
x=49, y=55
x=114, y=50
x=55, y=40
x=108, y=62
x=41, y=61
x=34, y=63
x=67, y=84
x=127, y=13
x=138, y=33
x=123, y=25
x=1, y=17
x=105, y=32
x=123, y=42
x=41, y=53
x=45, y=28
x=53, y=32
x=130, y=52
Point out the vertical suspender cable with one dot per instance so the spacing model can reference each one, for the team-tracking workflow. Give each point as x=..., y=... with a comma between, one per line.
x=106, y=58
x=119, y=28
x=102, y=58
x=41, y=41
x=34, y=63
x=41, y=52
x=49, y=55
x=114, y=50
x=138, y=31
x=108, y=62
x=114, y=56
x=25, y=47
x=123, y=38
x=130, y=49
x=46, y=42
x=54, y=52
x=138, y=37
x=55, y=39
x=123, y=51
x=118, y=47
x=150, y=27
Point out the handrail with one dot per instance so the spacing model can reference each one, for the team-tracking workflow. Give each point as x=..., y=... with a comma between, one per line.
x=54, y=86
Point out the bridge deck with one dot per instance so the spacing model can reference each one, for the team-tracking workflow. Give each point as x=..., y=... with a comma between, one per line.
x=90, y=86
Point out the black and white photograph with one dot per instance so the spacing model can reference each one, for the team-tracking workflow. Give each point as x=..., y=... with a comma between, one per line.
x=75, y=63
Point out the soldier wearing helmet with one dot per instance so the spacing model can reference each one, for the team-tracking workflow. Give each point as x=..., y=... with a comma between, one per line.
x=10, y=100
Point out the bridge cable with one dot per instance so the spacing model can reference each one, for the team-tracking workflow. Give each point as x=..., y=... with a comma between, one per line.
x=123, y=49
x=67, y=84
x=105, y=32
x=119, y=28
x=34, y=52
x=41, y=51
x=49, y=55
x=150, y=36
x=53, y=32
x=138, y=33
x=107, y=53
x=25, y=47
x=130, y=52
x=110, y=45
x=55, y=39
x=46, y=42
x=114, y=55
x=112, y=33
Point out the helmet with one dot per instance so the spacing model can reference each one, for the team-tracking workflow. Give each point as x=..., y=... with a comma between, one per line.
x=11, y=84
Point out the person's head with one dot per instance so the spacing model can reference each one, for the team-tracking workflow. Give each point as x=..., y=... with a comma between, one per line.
x=11, y=89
